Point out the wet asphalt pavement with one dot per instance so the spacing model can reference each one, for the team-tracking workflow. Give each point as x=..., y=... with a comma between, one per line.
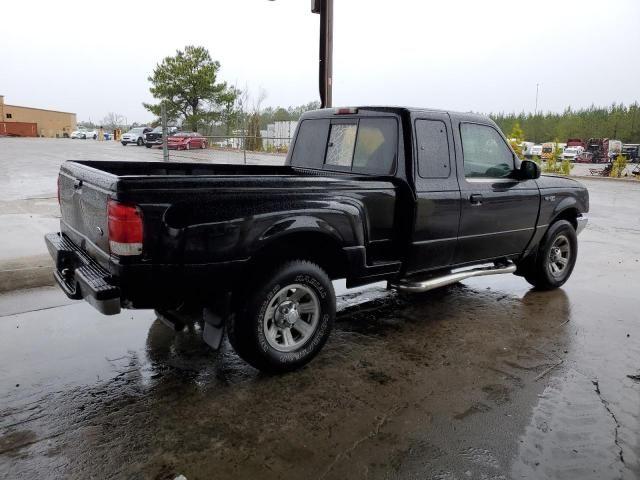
x=486, y=379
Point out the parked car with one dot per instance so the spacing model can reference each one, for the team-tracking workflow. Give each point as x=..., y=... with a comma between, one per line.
x=154, y=137
x=570, y=153
x=83, y=134
x=135, y=135
x=584, y=157
x=186, y=141
x=419, y=198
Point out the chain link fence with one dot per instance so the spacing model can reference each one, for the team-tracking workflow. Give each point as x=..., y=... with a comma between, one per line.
x=234, y=149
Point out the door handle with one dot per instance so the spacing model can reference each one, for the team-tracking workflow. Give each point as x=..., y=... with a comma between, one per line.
x=476, y=199
x=77, y=184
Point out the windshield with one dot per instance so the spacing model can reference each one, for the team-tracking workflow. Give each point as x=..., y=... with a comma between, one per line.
x=571, y=150
x=157, y=130
x=136, y=130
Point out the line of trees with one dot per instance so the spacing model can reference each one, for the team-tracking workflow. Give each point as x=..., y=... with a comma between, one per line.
x=619, y=121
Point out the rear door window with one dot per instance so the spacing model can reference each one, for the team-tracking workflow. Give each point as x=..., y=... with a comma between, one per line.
x=433, y=149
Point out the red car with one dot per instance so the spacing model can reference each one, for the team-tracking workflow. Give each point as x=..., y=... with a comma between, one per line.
x=186, y=141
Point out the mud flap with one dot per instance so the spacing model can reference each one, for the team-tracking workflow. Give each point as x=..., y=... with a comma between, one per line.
x=213, y=328
x=214, y=319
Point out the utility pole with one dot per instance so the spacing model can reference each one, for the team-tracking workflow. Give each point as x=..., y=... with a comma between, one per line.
x=165, y=132
x=325, y=9
x=535, y=112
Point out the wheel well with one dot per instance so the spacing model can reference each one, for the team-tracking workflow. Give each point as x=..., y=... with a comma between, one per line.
x=570, y=215
x=318, y=248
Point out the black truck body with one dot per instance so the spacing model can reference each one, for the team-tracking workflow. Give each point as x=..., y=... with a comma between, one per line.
x=366, y=194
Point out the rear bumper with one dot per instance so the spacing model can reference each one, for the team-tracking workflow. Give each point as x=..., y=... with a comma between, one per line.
x=110, y=286
x=80, y=277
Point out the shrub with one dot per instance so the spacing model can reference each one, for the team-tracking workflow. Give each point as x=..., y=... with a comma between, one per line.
x=619, y=164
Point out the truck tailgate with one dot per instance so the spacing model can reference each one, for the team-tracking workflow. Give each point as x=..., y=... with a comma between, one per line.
x=84, y=195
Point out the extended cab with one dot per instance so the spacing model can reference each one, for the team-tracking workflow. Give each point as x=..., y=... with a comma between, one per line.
x=418, y=198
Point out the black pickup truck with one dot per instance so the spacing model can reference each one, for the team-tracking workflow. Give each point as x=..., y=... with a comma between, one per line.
x=417, y=198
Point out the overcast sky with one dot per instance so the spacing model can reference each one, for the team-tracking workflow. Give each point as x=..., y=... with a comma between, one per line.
x=484, y=56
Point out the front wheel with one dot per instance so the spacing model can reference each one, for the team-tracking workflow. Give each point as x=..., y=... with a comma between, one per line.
x=556, y=257
x=148, y=146
x=284, y=321
x=124, y=144
x=139, y=142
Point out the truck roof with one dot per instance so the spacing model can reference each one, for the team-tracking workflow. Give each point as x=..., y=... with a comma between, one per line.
x=323, y=113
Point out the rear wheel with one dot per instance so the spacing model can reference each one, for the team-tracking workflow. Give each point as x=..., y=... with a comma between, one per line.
x=284, y=320
x=556, y=257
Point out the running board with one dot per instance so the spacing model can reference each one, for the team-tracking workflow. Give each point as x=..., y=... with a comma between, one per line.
x=437, y=282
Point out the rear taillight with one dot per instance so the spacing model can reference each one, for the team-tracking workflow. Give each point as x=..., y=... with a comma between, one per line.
x=125, y=228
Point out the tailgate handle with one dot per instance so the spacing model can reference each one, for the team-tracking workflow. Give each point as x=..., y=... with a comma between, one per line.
x=77, y=184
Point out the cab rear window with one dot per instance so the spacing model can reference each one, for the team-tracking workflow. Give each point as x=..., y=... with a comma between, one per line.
x=366, y=145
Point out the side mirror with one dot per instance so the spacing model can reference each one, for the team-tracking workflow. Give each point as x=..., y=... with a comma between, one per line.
x=529, y=170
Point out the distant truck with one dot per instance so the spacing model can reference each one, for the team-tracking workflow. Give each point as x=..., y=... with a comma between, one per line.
x=570, y=153
x=615, y=149
x=536, y=150
x=548, y=149
x=576, y=142
x=599, y=149
x=631, y=151
x=526, y=149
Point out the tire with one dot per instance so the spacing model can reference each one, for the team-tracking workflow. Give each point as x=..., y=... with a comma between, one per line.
x=139, y=142
x=555, y=258
x=95, y=137
x=148, y=146
x=84, y=137
x=124, y=144
x=271, y=307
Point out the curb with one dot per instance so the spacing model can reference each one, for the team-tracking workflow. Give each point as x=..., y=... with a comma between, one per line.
x=612, y=179
x=26, y=272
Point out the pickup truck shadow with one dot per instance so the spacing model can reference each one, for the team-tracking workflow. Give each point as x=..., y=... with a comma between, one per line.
x=373, y=317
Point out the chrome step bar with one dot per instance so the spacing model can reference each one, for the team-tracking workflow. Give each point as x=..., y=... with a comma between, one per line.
x=437, y=282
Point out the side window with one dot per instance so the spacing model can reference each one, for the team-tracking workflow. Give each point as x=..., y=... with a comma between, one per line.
x=485, y=153
x=342, y=141
x=433, y=149
x=310, y=143
x=376, y=146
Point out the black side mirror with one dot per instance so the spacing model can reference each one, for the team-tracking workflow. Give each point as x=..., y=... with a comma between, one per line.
x=529, y=170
